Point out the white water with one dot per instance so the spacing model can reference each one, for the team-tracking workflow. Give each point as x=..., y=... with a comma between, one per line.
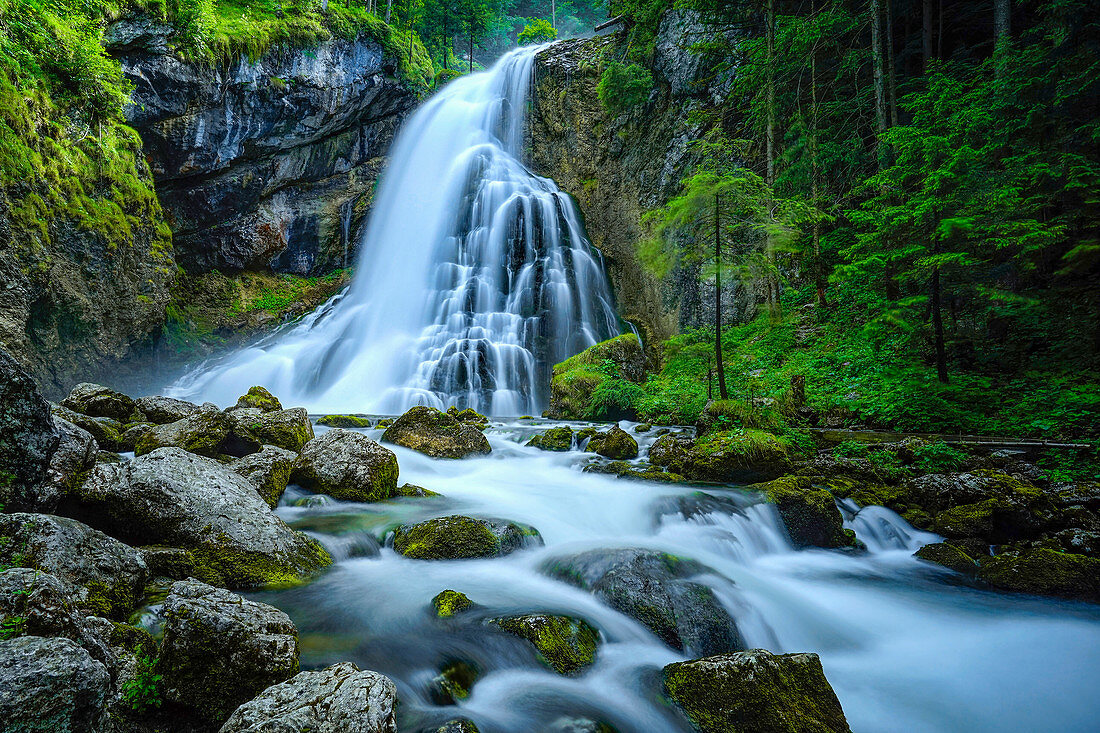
x=474, y=277
x=906, y=645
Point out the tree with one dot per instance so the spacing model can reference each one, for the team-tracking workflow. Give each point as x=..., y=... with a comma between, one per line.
x=537, y=30
x=475, y=17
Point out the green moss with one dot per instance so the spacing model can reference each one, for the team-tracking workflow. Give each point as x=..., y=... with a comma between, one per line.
x=450, y=602
x=447, y=538
x=224, y=565
x=1045, y=572
x=616, y=443
x=415, y=492
x=343, y=421
x=566, y=644
x=259, y=398
x=469, y=416
x=809, y=513
x=454, y=682
x=558, y=439
x=949, y=556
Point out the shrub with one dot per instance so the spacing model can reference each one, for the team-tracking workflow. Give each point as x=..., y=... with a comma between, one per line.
x=143, y=691
x=939, y=456
x=623, y=86
x=537, y=30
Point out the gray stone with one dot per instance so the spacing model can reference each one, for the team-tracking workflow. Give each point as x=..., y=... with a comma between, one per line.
x=95, y=400
x=287, y=429
x=28, y=437
x=106, y=430
x=347, y=465
x=269, y=471
x=52, y=686
x=162, y=410
x=208, y=432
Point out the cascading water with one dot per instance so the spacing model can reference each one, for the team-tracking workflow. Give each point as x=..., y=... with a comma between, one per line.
x=474, y=277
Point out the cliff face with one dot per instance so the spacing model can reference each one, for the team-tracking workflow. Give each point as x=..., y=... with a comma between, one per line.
x=268, y=163
x=620, y=168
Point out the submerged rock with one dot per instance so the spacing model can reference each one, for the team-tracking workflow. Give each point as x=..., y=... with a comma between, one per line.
x=437, y=434
x=106, y=577
x=347, y=465
x=209, y=433
x=566, y=644
x=457, y=537
x=453, y=683
x=161, y=410
x=337, y=699
x=559, y=439
x=95, y=400
x=755, y=691
x=654, y=588
x=809, y=513
x=616, y=444
x=448, y=603
x=269, y=471
x=459, y=725
x=415, y=492
x=28, y=438
x=51, y=685
x=343, y=421
x=172, y=497
x=221, y=650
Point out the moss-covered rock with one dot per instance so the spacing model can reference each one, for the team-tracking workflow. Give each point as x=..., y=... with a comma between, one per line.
x=566, y=644
x=287, y=429
x=261, y=399
x=95, y=400
x=106, y=431
x=755, y=692
x=559, y=439
x=458, y=725
x=161, y=410
x=616, y=444
x=469, y=416
x=209, y=432
x=347, y=465
x=622, y=469
x=436, y=434
x=447, y=603
x=28, y=438
x=1044, y=572
x=454, y=682
x=809, y=512
x=723, y=456
x=269, y=471
x=413, y=491
x=575, y=380
x=949, y=556
x=343, y=421
x=457, y=537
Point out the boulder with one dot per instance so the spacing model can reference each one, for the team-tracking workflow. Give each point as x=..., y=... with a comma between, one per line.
x=172, y=497
x=343, y=421
x=755, y=691
x=338, y=699
x=566, y=644
x=655, y=589
x=616, y=444
x=808, y=511
x=622, y=469
x=1044, y=572
x=163, y=410
x=28, y=437
x=453, y=683
x=107, y=576
x=448, y=603
x=457, y=537
x=949, y=556
x=575, y=379
x=106, y=430
x=51, y=685
x=558, y=439
x=436, y=434
x=261, y=399
x=287, y=429
x=76, y=453
x=269, y=471
x=723, y=456
x=209, y=433
x=469, y=416
x=95, y=400
x=347, y=465
x=458, y=725
x=415, y=492
x=221, y=650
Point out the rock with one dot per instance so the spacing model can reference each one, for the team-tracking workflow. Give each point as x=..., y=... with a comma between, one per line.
x=287, y=429
x=28, y=437
x=260, y=399
x=622, y=469
x=458, y=725
x=616, y=444
x=269, y=471
x=453, y=683
x=415, y=492
x=172, y=497
x=566, y=644
x=221, y=650
x=107, y=576
x=344, y=421
x=447, y=603
x=809, y=512
x=755, y=691
x=133, y=433
x=948, y=556
x=578, y=725
x=576, y=379
x=436, y=434
x=338, y=699
x=162, y=410
x=95, y=400
x=469, y=416
x=655, y=589
x=209, y=433
x=35, y=603
x=1044, y=572
x=51, y=685
x=457, y=537
x=347, y=465
x=558, y=439
x=723, y=456
x=75, y=454
x=106, y=430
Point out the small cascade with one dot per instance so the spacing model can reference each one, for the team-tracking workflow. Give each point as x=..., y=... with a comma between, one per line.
x=881, y=529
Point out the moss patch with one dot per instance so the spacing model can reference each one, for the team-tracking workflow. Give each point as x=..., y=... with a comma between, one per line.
x=450, y=602
x=343, y=421
x=566, y=644
x=1045, y=572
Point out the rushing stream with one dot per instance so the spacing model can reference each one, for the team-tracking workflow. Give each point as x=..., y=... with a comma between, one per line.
x=906, y=646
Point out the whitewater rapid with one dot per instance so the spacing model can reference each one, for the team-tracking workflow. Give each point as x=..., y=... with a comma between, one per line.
x=474, y=276
x=905, y=644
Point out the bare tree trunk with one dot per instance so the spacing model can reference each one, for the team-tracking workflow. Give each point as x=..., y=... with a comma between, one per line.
x=389, y=10
x=815, y=176
x=1002, y=34
x=722, y=393
x=880, y=86
x=891, y=72
x=554, y=13
x=769, y=134
x=939, y=34
x=926, y=33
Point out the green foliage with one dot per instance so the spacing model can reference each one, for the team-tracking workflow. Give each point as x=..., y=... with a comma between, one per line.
x=623, y=87
x=939, y=457
x=537, y=30
x=142, y=692
x=1072, y=464
x=11, y=627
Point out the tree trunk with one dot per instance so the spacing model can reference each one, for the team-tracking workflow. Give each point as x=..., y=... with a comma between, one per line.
x=389, y=10
x=880, y=84
x=1002, y=34
x=769, y=133
x=937, y=321
x=891, y=72
x=471, y=45
x=926, y=33
x=815, y=180
x=718, y=303
x=553, y=13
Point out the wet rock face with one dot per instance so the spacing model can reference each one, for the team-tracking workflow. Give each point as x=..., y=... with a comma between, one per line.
x=437, y=434
x=51, y=685
x=615, y=444
x=28, y=437
x=339, y=699
x=95, y=400
x=347, y=465
x=161, y=410
x=566, y=644
x=220, y=650
x=808, y=512
x=458, y=538
x=755, y=691
x=263, y=163
x=268, y=470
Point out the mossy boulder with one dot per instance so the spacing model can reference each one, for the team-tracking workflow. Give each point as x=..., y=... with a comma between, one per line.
x=343, y=421
x=28, y=438
x=657, y=590
x=469, y=416
x=566, y=644
x=221, y=650
x=413, y=491
x=347, y=465
x=755, y=691
x=437, y=434
x=616, y=444
x=622, y=469
x=261, y=399
x=448, y=603
x=457, y=537
x=949, y=556
x=106, y=430
x=1044, y=572
x=161, y=410
x=75, y=454
x=809, y=512
x=95, y=400
x=287, y=429
x=575, y=380
x=723, y=456
x=458, y=725
x=269, y=471
x=558, y=439
x=52, y=684
x=454, y=682
x=209, y=432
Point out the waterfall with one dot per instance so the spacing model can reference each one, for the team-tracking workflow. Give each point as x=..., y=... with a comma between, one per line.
x=474, y=276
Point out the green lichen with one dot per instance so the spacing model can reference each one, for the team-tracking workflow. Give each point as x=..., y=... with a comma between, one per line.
x=447, y=538
x=450, y=602
x=454, y=682
x=415, y=492
x=344, y=421
x=110, y=601
x=558, y=439
x=566, y=644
